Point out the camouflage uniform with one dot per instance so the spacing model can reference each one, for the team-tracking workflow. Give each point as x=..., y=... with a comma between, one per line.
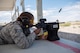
x=13, y=33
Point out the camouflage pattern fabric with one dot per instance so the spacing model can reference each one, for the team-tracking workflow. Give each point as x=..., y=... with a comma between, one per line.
x=13, y=33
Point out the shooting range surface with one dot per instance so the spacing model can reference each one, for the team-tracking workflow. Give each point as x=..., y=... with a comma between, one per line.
x=43, y=46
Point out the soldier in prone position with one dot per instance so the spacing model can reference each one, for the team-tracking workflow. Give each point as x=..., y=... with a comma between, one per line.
x=18, y=32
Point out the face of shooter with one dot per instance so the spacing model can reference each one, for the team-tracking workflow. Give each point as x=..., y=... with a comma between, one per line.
x=27, y=20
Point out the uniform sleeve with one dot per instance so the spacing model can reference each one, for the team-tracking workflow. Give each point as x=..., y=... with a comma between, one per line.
x=20, y=39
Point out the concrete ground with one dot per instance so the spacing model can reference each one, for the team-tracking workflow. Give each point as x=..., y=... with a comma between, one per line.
x=71, y=33
x=44, y=46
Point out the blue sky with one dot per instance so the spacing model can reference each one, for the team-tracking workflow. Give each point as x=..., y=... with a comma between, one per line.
x=51, y=3
x=70, y=10
x=56, y=3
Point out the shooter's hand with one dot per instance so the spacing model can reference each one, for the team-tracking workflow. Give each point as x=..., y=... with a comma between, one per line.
x=37, y=31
